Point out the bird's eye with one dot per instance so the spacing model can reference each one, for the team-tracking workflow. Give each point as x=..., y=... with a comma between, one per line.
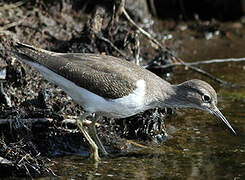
x=206, y=98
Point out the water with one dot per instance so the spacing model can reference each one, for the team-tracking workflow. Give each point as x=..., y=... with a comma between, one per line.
x=200, y=147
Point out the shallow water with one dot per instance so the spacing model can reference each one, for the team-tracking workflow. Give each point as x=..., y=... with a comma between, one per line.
x=200, y=147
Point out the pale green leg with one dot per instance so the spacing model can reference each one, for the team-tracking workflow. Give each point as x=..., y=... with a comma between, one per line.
x=93, y=132
x=94, y=148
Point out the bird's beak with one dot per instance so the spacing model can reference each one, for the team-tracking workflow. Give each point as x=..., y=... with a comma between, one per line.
x=215, y=111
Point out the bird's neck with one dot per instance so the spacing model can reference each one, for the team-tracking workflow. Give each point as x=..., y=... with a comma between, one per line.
x=173, y=97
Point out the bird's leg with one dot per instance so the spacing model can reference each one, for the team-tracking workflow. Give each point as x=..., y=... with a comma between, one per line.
x=94, y=148
x=93, y=132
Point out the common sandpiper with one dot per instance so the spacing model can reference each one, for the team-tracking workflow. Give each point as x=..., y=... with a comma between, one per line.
x=113, y=87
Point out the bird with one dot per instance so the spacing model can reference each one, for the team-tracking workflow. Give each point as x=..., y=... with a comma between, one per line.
x=113, y=87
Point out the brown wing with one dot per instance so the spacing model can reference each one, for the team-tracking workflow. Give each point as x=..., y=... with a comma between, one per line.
x=98, y=75
x=106, y=76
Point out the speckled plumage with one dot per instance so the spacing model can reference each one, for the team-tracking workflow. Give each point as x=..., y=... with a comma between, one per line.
x=103, y=75
x=116, y=88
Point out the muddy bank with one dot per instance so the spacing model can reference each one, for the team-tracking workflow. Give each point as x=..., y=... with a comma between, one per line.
x=38, y=115
x=37, y=119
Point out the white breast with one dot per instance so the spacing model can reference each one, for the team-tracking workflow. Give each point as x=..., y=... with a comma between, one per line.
x=133, y=103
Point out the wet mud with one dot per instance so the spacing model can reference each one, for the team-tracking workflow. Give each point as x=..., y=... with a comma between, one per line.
x=39, y=136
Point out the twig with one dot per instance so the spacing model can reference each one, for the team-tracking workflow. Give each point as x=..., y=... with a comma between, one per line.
x=217, y=61
x=204, y=73
x=112, y=45
x=120, y=7
x=142, y=30
x=31, y=120
x=198, y=70
x=11, y=6
x=201, y=62
x=13, y=24
x=25, y=157
x=46, y=120
x=208, y=75
x=74, y=122
x=137, y=144
x=153, y=7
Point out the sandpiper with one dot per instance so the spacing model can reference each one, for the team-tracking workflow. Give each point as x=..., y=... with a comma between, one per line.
x=112, y=87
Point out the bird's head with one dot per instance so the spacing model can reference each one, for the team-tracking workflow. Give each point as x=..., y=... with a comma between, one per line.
x=200, y=95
